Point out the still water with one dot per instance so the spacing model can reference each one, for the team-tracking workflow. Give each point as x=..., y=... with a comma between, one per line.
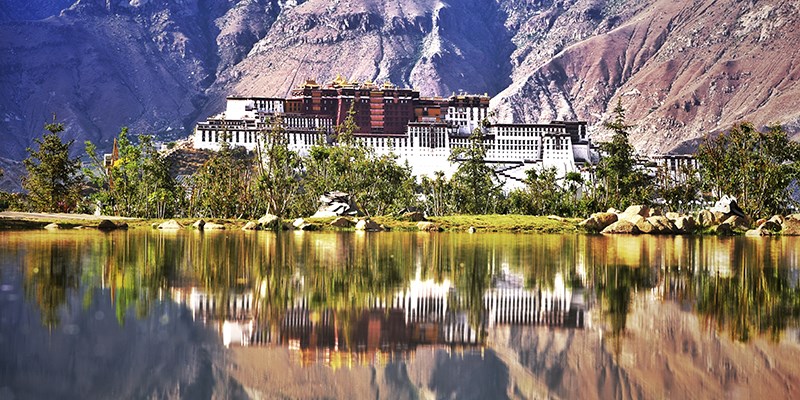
x=152, y=314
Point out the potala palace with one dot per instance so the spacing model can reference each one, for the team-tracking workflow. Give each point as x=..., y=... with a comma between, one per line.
x=420, y=130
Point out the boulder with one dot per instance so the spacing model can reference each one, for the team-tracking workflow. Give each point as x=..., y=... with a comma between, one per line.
x=778, y=219
x=199, y=224
x=155, y=225
x=171, y=224
x=213, y=226
x=471, y=229
x=52, y=226
x=737, y=223
x=760, y=221
x=385, y=228
x=426, y=226
x=791, y=227
x=757, y=232
x=590, y=224
x=722, y=229
x=604, y=219
x=662, y=225
x=640, y=210
x=646, y=226
x=414, y=216
x=613, y=210
x=727, y=205
x=367, y=225
x=633, y=219
x=122, y=225
x=795, y=217
x=673, y=215
x=654, y=213
x=269, y=221
x=334, y=204
x=705, y=219
x=250, y=226
x=555, y=217
x=685, y=224
x=308, y=227
x=342, y=222
x=621, y=226
x=770, y=226
x=106, y=225
x=297, y=223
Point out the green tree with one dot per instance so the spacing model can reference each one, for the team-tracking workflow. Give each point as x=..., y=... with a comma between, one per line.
x=279, y=171
x=678, y=188
x=53, y=179
x=476, y=189
x=378, y=184
x=222, y=188
x=438, y=194
x=755, y=167
x=138, y=183
x=623, y=183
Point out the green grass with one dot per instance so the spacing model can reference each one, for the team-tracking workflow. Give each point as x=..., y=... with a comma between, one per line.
x=456, y=223
x=507, y=223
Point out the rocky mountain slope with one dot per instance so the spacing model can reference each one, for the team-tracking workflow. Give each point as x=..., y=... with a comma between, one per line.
x=681, y=68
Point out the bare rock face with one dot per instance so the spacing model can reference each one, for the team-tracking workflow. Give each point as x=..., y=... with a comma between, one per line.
x=158, y=66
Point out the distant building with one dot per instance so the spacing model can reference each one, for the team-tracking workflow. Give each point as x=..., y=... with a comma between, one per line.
x=420, y=130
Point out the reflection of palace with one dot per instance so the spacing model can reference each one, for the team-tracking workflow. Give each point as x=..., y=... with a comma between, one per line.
x=426, y=313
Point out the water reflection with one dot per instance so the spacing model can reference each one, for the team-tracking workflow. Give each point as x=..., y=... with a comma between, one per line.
x=349, y=299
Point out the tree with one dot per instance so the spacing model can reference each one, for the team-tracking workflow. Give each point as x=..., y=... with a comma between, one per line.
x=137, y=183
x=279, y=177
x=757, y=168
x=378, y=184
x=623, y=183
x=53, y=181
x=476, y=189
x=680, y=187
x=222, y=187
x=438, y=194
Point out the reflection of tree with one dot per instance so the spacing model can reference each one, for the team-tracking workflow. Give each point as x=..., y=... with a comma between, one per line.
x=614, y=287
x=52, y=272
x=755, y=300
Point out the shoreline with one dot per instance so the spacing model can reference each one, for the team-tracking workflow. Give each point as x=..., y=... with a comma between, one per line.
x=21, y=221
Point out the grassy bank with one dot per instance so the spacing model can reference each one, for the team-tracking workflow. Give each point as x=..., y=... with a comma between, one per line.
x=455, y=223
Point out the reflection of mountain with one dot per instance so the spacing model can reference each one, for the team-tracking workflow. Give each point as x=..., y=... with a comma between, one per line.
x=426, y=313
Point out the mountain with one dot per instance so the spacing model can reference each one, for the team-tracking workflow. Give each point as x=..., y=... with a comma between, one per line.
x=681, y=69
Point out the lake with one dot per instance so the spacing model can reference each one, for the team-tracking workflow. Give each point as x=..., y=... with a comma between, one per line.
x=352, y=315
